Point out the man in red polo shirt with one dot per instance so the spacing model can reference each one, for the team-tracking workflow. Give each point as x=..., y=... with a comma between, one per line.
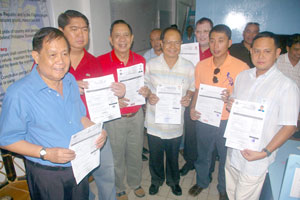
x=75, y=27
x=126, y=134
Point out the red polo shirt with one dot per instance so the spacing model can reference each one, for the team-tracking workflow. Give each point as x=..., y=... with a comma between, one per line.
x=88, y=67
x=110, y=63
x=205, y=54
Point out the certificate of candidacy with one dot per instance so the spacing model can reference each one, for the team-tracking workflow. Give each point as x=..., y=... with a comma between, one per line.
x=210, y=104
x=245, y=125
x=103, y=105
x=168, y=108
x=133, y=78
x=87, y=154
x=190, y=51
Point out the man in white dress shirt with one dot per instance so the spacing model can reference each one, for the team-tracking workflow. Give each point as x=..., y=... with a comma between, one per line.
x=288, y=63
x=246, y=170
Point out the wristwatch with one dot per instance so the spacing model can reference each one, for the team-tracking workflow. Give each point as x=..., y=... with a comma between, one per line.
x=43, y=152
x=267, y=152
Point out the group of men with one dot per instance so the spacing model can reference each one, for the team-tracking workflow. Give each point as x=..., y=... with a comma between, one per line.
x=43, y=110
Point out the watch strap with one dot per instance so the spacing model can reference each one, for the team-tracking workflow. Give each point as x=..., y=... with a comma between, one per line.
x=267, y=152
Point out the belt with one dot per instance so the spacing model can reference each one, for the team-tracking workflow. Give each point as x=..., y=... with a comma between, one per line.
x=52, y=168
x=128, y=115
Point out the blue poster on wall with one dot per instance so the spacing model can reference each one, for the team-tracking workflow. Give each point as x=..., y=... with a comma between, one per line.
x=19, y=20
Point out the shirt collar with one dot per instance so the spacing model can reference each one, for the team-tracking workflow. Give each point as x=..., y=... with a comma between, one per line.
x=268, y=73
x=114, y=58
x=225, y=63
x=39, y=84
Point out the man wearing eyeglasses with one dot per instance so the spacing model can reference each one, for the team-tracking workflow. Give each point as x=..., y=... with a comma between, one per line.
x=219, y=70
x=167, y=69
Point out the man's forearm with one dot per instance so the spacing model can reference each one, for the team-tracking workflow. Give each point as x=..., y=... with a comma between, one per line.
x=282, y=135
x=25, y=148
x=195, y=95
x=86, y=122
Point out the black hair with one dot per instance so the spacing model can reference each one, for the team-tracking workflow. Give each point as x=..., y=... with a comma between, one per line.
x=221, y=28
x=46, y=34
x=252, y=23
x=205, y=19
x=267, y=34
x=119, y=21
x=64, y=18
x=162, y=36
x=293, y=39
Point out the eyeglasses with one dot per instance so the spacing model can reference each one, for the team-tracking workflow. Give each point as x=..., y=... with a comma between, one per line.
x=215, y=79
x=169, y=43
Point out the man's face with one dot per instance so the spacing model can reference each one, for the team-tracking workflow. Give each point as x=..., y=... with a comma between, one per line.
x=249, y=33
x=171, y=44
x=155, y=40
x=53, y=60
x=202, y=33
x=294, y=51
x=219, y=44
x=264, y=54
x=77, y=33
x=121, y=38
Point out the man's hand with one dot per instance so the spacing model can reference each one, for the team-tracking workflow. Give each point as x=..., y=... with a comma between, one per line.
x=82, y=85
x=225, y=95
x=153, y=99
x=253, y=155
x=144, y=91
x=123, y=102
x=119, y=89
x=195, y=115
x=100, y=141
x=59, y=155
x=185, y=101
x=229, y=104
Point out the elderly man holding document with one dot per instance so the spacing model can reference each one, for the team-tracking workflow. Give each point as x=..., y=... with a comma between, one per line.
x=40, y=114
x=266, y=90
x=171, y=80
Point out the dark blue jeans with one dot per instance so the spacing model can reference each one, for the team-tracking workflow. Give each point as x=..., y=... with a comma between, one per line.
x=208, y=138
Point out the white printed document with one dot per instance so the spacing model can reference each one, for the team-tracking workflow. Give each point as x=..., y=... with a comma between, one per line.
x=245, y=125
x=295, y=190
x=133, y=78
x=190, y=51
x=210, y=104
x=168, y=108
x=103, y=105
x=87, y=154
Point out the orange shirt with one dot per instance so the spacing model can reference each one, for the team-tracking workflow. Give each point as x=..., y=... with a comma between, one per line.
x=231, y=67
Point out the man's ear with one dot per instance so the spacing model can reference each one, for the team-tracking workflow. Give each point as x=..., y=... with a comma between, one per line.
x=110, y=41
x=229, y=43
x=278, y=50
x=35, y=56
x=287, y=48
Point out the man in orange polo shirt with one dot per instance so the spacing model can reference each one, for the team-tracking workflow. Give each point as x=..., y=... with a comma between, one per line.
x=219, y=70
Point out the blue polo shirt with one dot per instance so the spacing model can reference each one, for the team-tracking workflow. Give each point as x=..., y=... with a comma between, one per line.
x=33, y=112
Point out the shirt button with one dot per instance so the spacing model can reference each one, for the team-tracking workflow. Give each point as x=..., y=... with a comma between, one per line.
x=49, y=91
x=57, y=95
x=70, y=122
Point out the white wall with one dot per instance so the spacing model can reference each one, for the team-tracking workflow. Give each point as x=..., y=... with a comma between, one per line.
x=142, y=15
x=98, y=13
x=100, y=25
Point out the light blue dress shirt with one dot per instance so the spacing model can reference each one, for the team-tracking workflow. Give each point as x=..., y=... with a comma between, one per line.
x=33, y=112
